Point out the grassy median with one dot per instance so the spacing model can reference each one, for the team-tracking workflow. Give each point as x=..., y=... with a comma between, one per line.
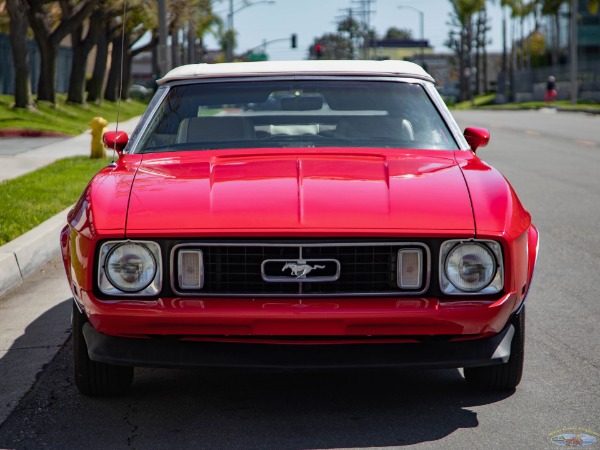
x=63, y=117
x=31, y=199
x=486, y=101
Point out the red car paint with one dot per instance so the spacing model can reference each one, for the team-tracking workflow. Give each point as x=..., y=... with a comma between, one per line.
x=280, y=194
x=329, y=193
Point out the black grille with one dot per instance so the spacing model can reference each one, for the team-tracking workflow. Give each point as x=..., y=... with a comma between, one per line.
x=235, y=269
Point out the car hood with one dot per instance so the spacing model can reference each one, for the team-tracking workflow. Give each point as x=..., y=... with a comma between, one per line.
x=298, y=193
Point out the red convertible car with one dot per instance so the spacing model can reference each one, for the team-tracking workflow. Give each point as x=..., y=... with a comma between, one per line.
x=310, y=214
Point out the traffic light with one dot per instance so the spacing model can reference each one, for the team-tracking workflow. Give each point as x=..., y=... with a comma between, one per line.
x=294, y=41
x=319, y=51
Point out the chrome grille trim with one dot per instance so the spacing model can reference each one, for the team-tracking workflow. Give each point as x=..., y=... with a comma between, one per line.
x=301, y=287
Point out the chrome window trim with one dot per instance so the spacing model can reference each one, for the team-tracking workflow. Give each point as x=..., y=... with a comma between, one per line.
x=427, y=270
x=140, y=129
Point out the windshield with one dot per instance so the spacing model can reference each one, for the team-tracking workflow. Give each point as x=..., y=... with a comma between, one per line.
x=296, y=113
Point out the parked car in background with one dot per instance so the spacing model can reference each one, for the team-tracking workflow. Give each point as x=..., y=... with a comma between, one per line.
x=139, y=92
x=310, y=214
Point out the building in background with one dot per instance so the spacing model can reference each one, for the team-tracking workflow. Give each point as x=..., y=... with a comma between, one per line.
x=400, y=49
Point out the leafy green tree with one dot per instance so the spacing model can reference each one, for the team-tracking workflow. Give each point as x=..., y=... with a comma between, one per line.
x=50, y=27
x=520, y=10
x=334, y=46
x=81, y=44
x=461, y=40
x=108, y=27
x=551, y=9
x=140, y=17
x=352, y=27
x=227, y=37
x=394, y=33
x=204, y=21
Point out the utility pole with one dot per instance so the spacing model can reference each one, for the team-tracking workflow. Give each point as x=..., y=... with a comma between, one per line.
x=365, y=11
x=163, y=61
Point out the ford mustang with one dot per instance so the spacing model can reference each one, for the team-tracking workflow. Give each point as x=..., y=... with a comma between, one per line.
x=310, y=214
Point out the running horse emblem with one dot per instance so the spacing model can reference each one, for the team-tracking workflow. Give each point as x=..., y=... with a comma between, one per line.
x=301, y=270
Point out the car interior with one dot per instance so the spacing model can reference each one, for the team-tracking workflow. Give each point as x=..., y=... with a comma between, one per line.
x=305, y=114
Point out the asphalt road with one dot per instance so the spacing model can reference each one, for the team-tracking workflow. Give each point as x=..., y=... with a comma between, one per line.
x=553, y=161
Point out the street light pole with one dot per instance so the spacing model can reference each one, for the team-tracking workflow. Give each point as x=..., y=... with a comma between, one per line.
x=421, y=30
x=229, y=49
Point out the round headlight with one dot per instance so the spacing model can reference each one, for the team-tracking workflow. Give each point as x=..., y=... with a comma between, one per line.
x=130, y=267
x=470, y=267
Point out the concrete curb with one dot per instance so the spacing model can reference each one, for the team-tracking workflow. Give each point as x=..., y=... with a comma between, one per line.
x=579, y=110
x=25, y=254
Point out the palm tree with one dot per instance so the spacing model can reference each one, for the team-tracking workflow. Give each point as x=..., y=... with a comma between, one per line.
x=464, y=10
x=551, y=8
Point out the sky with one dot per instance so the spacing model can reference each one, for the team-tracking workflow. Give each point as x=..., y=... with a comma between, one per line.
x=311, y=18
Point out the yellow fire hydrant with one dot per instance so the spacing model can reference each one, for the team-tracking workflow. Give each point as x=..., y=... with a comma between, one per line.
x=98, y=126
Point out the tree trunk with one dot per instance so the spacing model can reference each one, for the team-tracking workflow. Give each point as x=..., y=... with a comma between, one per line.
x=114, y=74
x=478, y=33
x=175, y=50
x=470, y=57
x=17, y=11
x=556, y=46
x=47, y=81
x=126, y=82
x=461, y=66
x=77, y=80
x=81, y=50
x=96, y=84
x=48, y=41
x=191, y=39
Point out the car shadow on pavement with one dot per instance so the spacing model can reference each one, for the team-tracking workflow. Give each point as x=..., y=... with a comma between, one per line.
x=247, y=409
x=29, y=353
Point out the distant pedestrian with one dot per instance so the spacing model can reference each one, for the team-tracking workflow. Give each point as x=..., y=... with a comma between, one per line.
x=550, y=90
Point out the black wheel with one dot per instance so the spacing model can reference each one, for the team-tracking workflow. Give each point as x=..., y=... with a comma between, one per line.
x=502, y=376
x=94, y=378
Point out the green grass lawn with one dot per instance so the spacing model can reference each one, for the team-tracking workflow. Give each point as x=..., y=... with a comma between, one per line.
x=63, y=117
x=31, y=199
x=486, y=101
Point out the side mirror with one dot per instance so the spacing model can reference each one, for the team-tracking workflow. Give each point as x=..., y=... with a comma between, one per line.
x=115, y=140
x=477, y=137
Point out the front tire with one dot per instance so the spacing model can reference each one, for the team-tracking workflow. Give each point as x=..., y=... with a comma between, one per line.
x=93, y=378
x=505, y=376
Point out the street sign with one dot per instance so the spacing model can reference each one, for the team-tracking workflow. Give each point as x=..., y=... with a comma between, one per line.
x=257, y=57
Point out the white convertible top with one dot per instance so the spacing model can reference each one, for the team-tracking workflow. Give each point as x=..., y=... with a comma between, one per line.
x=307, y=67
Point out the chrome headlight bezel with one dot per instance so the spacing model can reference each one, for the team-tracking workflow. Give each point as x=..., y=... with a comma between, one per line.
x=492, y=284
x=151, y=285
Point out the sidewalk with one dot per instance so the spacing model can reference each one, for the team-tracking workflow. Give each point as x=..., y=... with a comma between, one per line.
x=12, y=166
x=22, y=256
